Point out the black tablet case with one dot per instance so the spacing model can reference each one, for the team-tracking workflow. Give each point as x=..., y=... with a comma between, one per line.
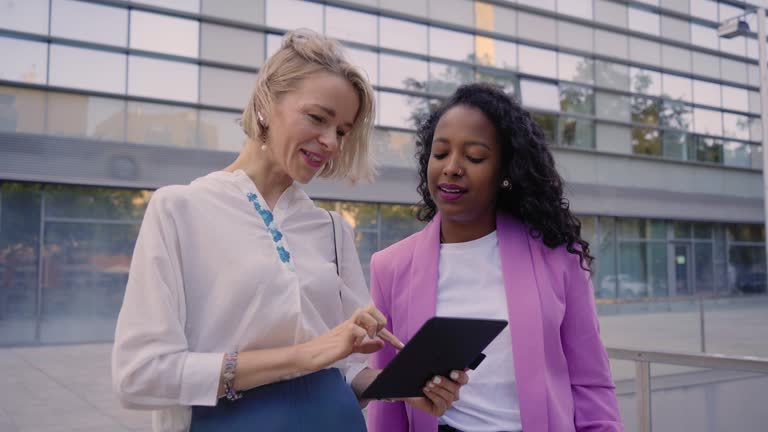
x=440, y=346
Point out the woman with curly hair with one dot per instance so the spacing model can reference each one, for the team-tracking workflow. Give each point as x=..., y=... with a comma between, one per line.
x=501, y=243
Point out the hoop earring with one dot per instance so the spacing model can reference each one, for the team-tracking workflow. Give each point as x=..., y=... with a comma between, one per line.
x=506, y=184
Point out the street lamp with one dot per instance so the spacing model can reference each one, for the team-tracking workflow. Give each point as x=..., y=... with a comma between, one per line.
x=738, y=27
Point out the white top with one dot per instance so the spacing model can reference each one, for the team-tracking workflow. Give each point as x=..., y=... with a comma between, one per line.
x=471, y=285
x=206, y=278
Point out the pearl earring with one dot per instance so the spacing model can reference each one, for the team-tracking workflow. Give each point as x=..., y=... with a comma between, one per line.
x=506, y=184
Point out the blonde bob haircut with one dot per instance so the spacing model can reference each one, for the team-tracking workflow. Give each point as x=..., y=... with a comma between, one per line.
x=303, y=53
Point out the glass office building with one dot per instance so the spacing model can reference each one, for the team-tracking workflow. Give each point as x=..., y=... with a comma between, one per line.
x=653, y=119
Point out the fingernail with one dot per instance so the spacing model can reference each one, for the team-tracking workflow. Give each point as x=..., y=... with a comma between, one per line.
x=454, y=375
x=436, y=380
x=430, y=385
x=426, y=389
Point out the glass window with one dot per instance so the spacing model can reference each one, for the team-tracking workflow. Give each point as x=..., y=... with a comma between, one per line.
x=674, y=58
x=705, y=36
x=746, y=233
x=577, y=8
x=736, y=126
x=676, y=115
x=444, y=79
x=706, y=64
x=737, y=154
x=451, y=44
x=575, y=36
x=401, y=111
x=606, y=281
x=397, y=223
x=612, y=75
x=746, y=265
x=537, y=27
x=86, y=116
x=709, y=150
x=736, y=46
x=609, y=12
x=645, y=51
x=89, y=22
x=678, y=145
x=733, y=70
x=677, y=87
x=757, y=157
x=283, y=14
x=676, y=29
x=548, y=125
x=25, y=16
x=614, y=139
x=459, y=12
x=231, y=45
x=540, y=4
x=410, y=7
x=645, y=110
x=539, y=94
x=403, y=72
x=105, y=71
x=646, y=141
x=752, y=49
x=706, y=93
x=219, y=130
x=225, y=87
x=496, y=53
x=402, y=35
x=494, y=18
x=507, y=81
x=645, y=81
x=20, y=207
x=611, y=44
x=728, y=11
x=577, y=132
x=274, y=42
x=250, y=11
x=706, y=121
x=538, y=61
x=165, y=34
x=576, y=99
x=163, y=125
x=21, y=110
x=632, y=280
x=29, y=62
x=576, y=68
x=705, y=9
x=366, y=60
x=350, y=25
x=393, y=148
x=182, y=5
x=162, y=79
x=612, y=106
x=644, y=21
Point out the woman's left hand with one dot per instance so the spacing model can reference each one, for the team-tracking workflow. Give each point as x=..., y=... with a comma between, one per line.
x=440, y=393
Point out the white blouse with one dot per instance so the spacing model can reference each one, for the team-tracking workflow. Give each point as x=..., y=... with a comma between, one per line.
x=211, y=273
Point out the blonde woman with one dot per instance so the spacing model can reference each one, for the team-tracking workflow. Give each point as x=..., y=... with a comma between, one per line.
x=243, y=311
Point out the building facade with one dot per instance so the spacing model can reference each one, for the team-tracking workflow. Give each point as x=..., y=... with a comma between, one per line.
x=654, y=122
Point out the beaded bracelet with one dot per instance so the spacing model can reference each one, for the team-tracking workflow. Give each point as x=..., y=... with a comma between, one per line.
x=230, y=361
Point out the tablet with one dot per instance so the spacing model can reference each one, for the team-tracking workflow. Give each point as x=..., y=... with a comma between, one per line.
x=440, y=346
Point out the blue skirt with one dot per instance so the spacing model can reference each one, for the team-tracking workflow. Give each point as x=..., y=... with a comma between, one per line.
x=321, y=401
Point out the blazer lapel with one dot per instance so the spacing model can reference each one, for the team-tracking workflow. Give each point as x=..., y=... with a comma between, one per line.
x=525, y=322
x=423, y=299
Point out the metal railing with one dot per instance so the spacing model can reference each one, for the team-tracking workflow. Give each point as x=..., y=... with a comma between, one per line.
x=644, y=358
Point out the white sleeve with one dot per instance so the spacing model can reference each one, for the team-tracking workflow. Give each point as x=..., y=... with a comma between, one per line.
x=355, y=293
x=151, y=365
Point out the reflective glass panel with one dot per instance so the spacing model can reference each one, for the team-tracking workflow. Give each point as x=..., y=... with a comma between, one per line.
x=646, y=141
x=76, y=115
x=105, y=71
x=576, y=68
x=403, y=72
x=538, y=61
x=707, y=121
x=451, y=44
x=89, y=22
x=162, y=79
x=164, y=34
x=539, y=94
x=23, y=60
x=350, y=25
x=163, y=125
x=294, y=14
x=402, y=35
x=24, y=15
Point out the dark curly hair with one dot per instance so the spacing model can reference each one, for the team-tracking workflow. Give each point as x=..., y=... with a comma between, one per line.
x=536, y=198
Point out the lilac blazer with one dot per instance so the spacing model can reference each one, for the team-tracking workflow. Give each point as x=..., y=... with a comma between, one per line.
x=561, y=367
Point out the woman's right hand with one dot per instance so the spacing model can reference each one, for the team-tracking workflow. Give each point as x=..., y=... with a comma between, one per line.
x=347, y=338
